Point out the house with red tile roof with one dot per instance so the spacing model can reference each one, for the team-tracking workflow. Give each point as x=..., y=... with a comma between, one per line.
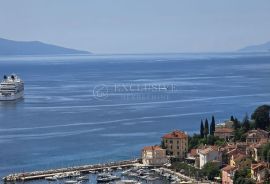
x=176, y=144
x=224, y=133
x=259, y=171
x=209, y=154
x=240, y=161
x=256, y=136
x=227, y=174
x=154, y=155
x=254, y=150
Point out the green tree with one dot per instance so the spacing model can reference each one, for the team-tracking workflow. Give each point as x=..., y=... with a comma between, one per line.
x=210, y=170
x=212, y=126
x=206, y=128
x=162, y=145
x=232, y=118
x=267, y=177
x=246, y=123
x=202, y=129
x=261, y=116
x=236, y=124
x=242, y=177
x=239, y=135
x=266, y=152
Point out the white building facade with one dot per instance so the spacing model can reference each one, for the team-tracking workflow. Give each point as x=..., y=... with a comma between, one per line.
x=154, y=155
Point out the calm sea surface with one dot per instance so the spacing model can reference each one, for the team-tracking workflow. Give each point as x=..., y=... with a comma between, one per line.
x=90, y=109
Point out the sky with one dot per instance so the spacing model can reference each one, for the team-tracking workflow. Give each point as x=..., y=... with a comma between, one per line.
x=138, y=26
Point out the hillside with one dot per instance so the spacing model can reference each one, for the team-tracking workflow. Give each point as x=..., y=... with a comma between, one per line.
x=10, y=47
x=257, y=48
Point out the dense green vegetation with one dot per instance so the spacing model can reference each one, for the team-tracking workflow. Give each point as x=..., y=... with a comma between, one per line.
x=196, y=140
x=243, y=177
x=209, y=171
x=265, y=152
x=261, y=117
x=186, y=169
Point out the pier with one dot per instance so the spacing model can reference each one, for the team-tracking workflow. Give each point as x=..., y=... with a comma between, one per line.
x=82, y=169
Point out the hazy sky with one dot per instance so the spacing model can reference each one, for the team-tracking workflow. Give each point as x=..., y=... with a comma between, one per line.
x=138, y=26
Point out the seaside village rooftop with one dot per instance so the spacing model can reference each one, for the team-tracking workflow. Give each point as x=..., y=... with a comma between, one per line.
x=231, y=157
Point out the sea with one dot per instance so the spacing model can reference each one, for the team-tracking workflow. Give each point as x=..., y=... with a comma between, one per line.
x=83, y=109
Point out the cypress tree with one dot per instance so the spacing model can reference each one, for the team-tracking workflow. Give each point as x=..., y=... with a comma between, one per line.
x=232, y=118
x=236, y=124
x=206, y=128
x=212, y=126
x=246, y=125
x=202, y=129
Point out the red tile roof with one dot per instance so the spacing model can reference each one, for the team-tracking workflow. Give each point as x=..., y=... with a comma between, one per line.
x=193, y=152
x=177, y=134
x=151, y=148
x=208, y=149
x=239, y=156
x=260, y=165
x=235, y=152
x=229, y=168
x=223, y=130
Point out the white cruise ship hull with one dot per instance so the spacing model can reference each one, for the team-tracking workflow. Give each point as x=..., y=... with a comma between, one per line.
x=11, y=97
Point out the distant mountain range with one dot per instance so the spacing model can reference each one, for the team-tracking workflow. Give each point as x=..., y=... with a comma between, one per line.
x=10, y=47
x=257, y=48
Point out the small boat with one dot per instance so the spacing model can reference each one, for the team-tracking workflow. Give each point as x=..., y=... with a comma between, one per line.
x=82, y=178
x=128, y=182
x=61, y=175
x=106, y=177
x=51, y=178
x=71, y=182
x=152, y=178
x=119, y=168
x=74, y=174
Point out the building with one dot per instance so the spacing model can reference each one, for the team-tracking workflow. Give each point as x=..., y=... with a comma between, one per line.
x=240, y=161
x=255, y=150
x=228, y=174
x=256, y=136
x=259, y=172
x=225, y=124
x=224, y=133
x=193, y=157
x=154, y=155
x=176, y=144
x=209, y=154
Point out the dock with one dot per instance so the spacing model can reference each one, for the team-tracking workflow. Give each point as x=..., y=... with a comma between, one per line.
x=84, y=169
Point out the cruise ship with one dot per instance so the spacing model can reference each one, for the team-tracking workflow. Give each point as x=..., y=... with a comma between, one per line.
x=11, y=88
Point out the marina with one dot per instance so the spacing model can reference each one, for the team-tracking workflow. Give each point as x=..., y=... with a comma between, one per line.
x=122, y=172
x=55, y=174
